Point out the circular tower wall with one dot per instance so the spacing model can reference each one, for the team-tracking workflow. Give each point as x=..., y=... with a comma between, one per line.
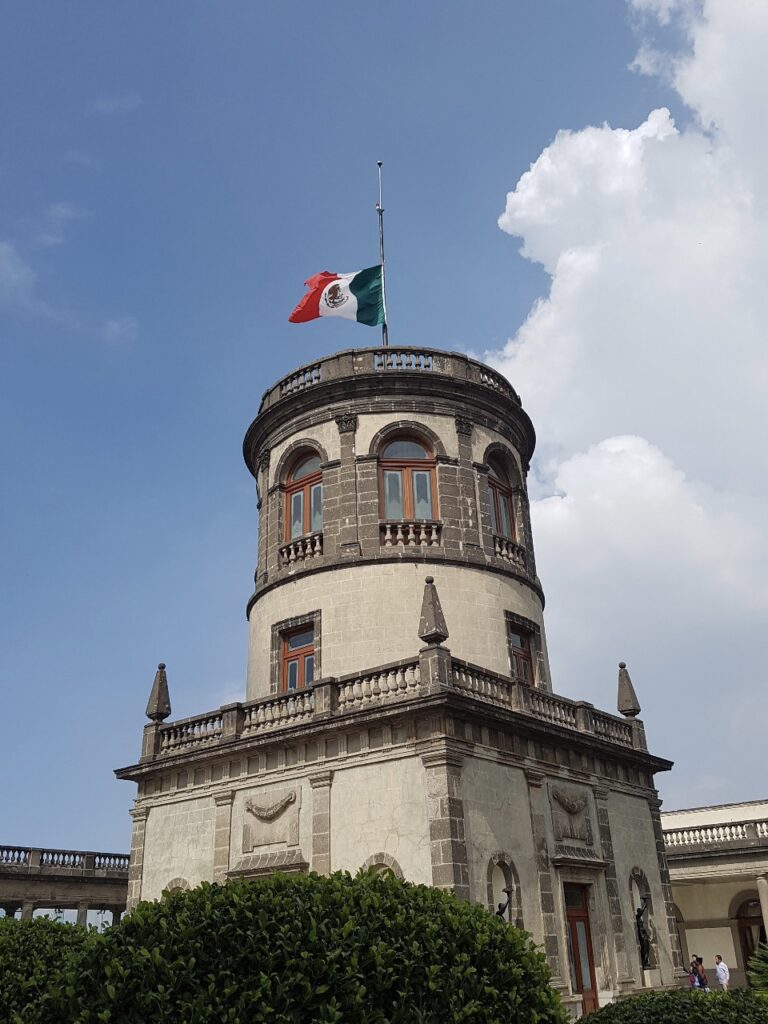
x=376, y=468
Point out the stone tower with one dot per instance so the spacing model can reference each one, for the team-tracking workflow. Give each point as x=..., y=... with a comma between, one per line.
x=399, y=711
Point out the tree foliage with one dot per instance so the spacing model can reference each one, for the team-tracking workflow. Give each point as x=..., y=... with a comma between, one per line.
x=757, y=968
x=37, y=960
x=685, y=1007
x=284, y=950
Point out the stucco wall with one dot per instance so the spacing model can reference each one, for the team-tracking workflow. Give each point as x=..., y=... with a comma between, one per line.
x=178, y=844
x=370, y=616
x=381, y=808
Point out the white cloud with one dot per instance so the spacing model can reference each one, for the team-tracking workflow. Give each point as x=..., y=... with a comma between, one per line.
x=17, y=279
x=117, y=104
x=645, y=369
x=57, y=217
x=120, y=329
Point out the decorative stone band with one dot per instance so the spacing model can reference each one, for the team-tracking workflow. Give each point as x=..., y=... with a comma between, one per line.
x=34, y=860
x=384, y=684
x=732, y=835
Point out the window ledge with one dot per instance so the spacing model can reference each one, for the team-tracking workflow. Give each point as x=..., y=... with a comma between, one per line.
x=301, y=549
x=410, y=533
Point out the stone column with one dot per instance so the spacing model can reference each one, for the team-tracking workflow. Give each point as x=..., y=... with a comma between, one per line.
x=762, y=892
x=136, y=865
x=26, y=910
x=221, y=835
x=468, y=512
x=346, y=507
x=116, y=913
x=261, y=575
x=624, y=978
x=321, y=821
x=450, y=866
x=666, y=888
x=550, y=929
x=82, y=914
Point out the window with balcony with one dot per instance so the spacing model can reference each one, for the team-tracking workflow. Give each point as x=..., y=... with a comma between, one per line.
x=502, y=514
x=298, y=658
x=304, y=498
x=407, y=489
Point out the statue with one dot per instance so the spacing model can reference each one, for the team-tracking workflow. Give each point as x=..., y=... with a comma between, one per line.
x=503, y=906
x=643, y=937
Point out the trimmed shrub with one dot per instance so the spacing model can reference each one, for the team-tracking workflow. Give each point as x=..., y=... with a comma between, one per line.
x=685, y=1007
x=757, y=968
x=37, y=959
x=284, y=950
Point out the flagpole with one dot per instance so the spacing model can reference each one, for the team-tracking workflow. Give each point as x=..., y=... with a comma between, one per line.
x=380, y=211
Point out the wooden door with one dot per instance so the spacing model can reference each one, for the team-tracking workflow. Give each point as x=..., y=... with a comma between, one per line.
x=580, y=956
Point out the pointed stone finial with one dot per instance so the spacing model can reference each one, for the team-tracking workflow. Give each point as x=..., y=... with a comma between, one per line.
x=432, y=627
x=159, y=704
x=629, y=705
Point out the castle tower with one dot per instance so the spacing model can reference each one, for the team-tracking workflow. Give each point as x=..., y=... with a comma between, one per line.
x=399, y=710
x=375, y=469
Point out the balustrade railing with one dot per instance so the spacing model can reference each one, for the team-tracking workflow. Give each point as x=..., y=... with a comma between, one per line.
x=285, y=709
x=301, y=549
x=607, y=727
x=733, y=833
x=402, y=359
x=553, y=709
x=405, y=534
x=301, y=379
x=391, y=681
x=510, y=551
x=385, y=683
x=190, y=732
x=32, y=859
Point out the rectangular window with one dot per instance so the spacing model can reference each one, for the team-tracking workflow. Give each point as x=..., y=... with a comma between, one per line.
x=316, y=503
x=422, y=494
x=298, y=661
x=393, y=494
x=297, y=514
x=506, y=518
x=520, y=658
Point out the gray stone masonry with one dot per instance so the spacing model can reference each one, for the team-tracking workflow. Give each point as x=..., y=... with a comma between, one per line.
x=445, y=809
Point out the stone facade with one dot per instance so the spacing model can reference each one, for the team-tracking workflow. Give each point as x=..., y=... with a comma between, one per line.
x=429, y=740
x=718, y=866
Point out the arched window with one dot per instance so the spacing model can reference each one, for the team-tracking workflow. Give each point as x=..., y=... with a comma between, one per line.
x=502, y=513
x=407, y=480
x=304, y=497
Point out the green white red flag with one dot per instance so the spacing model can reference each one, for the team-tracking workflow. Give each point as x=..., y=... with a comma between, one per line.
x=355, y=296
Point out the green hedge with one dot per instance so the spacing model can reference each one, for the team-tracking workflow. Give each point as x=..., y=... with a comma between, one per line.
x=685, y=1007
x=304, y=949
x=37, y=958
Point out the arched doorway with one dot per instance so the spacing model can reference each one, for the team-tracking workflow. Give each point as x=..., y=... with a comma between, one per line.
x=749, y=919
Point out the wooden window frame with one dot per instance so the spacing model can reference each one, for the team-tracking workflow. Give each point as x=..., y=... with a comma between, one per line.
x=304, y=485
x=299, y=655
x=407, y=467
x=501, y=492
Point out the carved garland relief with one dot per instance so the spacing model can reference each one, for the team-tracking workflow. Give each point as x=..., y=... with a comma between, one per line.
x=275, y=820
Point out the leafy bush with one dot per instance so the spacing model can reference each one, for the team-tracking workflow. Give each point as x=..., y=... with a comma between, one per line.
x=308, y=949
x=757, y=968
x=685, y=1007
x=36, y=959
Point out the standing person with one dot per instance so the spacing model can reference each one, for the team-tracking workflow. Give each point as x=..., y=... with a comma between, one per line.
x=722, y=972
x=702, y=975
x=693, y=973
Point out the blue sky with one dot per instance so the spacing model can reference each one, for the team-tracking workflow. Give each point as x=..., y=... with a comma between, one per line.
x=169, y=176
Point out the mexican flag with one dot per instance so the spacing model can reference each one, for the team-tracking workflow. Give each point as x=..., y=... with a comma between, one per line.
x=354, y=296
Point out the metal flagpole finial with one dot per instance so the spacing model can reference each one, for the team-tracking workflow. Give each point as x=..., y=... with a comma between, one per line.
x=380, y=212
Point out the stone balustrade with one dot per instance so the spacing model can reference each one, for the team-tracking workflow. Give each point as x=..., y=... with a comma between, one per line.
x=375, y=686
x=705, y=838
x=410, y=534
x=36, y=860
x=510, y=551
x=354, y=362
x=301, y=549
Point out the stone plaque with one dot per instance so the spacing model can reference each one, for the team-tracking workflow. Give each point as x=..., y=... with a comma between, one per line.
x=271, y=817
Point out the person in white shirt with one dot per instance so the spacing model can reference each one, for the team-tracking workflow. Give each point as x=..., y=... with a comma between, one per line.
x=722, y=972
